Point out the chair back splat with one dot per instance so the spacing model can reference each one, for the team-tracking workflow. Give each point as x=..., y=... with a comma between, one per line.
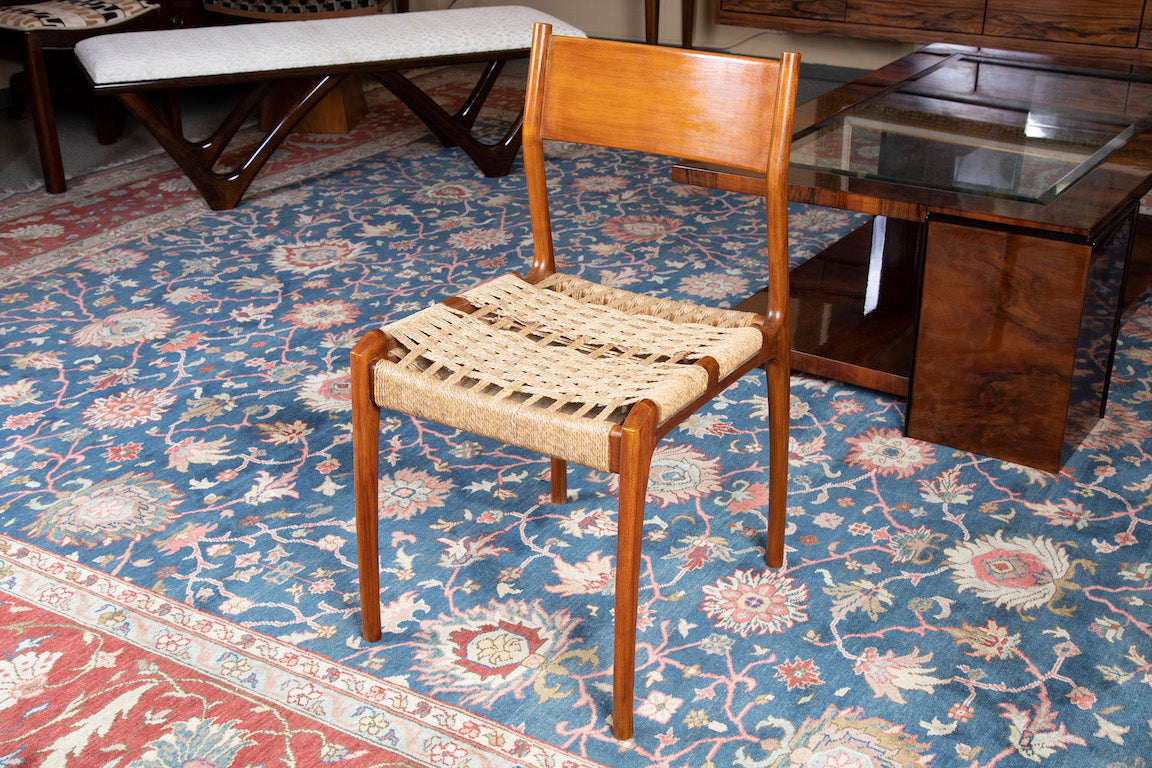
x=590, y=373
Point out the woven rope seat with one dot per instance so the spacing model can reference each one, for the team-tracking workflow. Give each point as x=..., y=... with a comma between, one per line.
x=554, y=366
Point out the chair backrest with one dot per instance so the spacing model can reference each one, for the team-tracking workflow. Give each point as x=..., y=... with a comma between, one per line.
x=706, y=107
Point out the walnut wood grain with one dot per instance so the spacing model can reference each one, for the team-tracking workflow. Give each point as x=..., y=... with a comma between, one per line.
x=941, y=15
x=1108, y=30
x=1096, y=198
x=1100, y=22
x=1146, y=32
x=1011, y=332
x=832, y=10
x=985, y=344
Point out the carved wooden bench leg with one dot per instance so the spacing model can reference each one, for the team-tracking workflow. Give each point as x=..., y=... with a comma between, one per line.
x=468, y=113
x=211, y=148
x=456, y=130
x=223, y=189
x=329, y=49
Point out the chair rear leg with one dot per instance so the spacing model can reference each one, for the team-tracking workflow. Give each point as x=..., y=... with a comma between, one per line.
x=779, y=395
x=559, y=481
x=637, y=442
x=366, y=471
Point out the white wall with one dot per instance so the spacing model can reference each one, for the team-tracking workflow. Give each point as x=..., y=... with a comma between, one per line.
x=624, y=20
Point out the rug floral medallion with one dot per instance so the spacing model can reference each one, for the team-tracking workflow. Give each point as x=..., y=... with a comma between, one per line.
x=177, y=550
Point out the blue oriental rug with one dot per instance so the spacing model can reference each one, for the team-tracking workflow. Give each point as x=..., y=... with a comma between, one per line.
x=175, y=470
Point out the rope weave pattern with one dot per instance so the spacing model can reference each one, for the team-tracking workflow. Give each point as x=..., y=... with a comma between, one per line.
x=538, y=367
x=642, y=304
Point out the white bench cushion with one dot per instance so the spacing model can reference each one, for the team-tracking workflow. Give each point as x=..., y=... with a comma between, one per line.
x=136, y=57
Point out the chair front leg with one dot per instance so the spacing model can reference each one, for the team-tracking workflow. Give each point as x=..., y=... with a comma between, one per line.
x=366, y=473
x=636, y=444
x=779, y=375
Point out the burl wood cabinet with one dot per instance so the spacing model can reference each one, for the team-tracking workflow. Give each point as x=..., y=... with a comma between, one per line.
x=1103, y=29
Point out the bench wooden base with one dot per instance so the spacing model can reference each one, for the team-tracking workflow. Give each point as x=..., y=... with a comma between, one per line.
x=311, y=58
x=222, y=189
x=337, y=113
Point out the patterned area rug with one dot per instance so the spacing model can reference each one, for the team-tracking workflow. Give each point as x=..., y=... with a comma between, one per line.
x=98, y=671
x=177, y=505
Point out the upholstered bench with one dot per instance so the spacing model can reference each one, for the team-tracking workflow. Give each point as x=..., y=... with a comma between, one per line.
x=323, y=52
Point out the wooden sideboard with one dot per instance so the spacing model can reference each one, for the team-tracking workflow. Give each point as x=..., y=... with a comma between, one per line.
x=1100, y=29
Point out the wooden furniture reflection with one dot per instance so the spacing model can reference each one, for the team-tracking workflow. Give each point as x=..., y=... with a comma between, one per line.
x=995, y=317
x=584, y=372
x=652, y=22
x=1107, y=30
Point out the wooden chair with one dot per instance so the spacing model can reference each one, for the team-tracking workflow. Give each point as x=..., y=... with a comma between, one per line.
x=589, y=373
x=60, y=24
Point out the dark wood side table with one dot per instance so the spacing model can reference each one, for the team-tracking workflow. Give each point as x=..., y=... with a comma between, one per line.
x=988, y=289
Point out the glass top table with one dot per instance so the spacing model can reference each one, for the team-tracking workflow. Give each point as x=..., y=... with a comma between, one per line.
x=990, y=281
x=979, y=125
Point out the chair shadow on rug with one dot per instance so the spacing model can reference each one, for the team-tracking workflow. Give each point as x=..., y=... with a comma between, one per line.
x=583, y=372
